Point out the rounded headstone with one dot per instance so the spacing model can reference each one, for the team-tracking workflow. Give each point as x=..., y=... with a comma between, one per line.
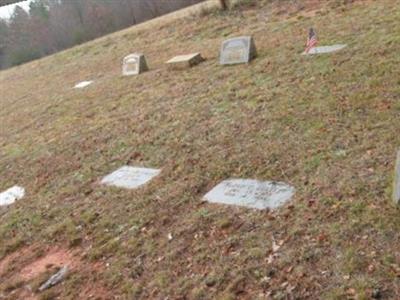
x=134, y=64
x=237, y=50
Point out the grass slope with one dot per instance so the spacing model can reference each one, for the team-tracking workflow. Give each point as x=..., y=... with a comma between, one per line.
x=328, y=125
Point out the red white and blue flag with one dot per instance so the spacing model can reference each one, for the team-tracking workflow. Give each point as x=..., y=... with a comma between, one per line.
x=311, y=41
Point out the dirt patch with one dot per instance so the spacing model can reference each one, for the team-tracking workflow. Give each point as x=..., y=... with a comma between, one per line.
x=27, y=264
x=55, y=258
x=14, y=259
x=95, y=291
x=26, y=294
x=25, y=269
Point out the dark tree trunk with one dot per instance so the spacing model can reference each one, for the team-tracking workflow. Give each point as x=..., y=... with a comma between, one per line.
x=224, y=4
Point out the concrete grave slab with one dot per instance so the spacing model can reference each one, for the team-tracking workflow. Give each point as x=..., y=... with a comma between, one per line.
x=238, y=50
x=134, y=64
x=251, y=193
x=11, y=195
x=130, y=177
x=184, y=61
x=396, y=183
x=83, y=84
x=325, y=49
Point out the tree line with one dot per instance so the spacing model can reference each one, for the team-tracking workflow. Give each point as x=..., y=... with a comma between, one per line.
x=53, y=25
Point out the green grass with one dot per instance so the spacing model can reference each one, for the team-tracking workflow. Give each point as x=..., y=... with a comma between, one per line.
x=327, y=125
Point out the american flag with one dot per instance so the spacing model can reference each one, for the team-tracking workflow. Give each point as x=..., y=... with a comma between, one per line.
x=311, y=41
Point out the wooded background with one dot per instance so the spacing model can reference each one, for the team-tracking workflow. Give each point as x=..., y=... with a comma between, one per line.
x=6, y=2
x=54, y=25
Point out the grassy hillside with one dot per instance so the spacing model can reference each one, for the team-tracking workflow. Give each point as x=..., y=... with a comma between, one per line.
x=328, y=125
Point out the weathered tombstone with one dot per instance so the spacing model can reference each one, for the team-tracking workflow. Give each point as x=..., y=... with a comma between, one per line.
x=396, y=184
x=325, y=49
x=130, y=177
x=134, y=64
x=82, y=84
x=184, y=61
x=11, y=195
x=238, y=50
x=251, y=193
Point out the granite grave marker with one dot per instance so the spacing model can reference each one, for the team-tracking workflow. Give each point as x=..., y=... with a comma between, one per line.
x=251, y=193
x=238, y=50
x=325, y=49
x=130, y=177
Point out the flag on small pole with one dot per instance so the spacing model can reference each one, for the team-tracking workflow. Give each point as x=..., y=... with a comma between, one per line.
x=311, y=40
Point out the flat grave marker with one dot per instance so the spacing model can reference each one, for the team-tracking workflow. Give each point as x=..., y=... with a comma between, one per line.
x=396, y=184
x=325, y=49
x=251, y=193
x=11, y=195
x=238, y=50
x=184, y=61
x=83, y=84
x=134, y=64
x=130, y=177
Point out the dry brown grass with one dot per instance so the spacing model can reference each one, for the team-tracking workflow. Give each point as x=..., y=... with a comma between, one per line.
x=327, y=125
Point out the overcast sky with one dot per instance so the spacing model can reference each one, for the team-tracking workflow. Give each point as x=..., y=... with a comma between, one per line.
x=6, y=11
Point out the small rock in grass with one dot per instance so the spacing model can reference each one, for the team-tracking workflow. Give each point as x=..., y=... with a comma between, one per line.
x=11, y=195
x=55, y=279
x=83, y=84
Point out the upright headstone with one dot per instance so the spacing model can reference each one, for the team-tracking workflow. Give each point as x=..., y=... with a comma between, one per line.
x=325, y=49
x=134, y=64
x=251, y=193
x=238, y=50
x=184, y=61
x=11, y=195
x=130, y=177
x=396, y=184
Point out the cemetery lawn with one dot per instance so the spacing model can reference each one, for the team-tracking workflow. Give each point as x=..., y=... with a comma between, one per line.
x=327, y=125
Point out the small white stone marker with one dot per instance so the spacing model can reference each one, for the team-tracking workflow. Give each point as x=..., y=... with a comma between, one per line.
x=251, y=193
x=185, y=61
x=134, y=64
x=396, y=183
x=82, y=84
x=325, y=49
x=11, y=195
x=130, y=177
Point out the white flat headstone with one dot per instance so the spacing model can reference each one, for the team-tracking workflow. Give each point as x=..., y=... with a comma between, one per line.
x=82, y=84
x=251, y=193
x=396, y=184
x=325, y=49
x=11, y=195
x=130, y=177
